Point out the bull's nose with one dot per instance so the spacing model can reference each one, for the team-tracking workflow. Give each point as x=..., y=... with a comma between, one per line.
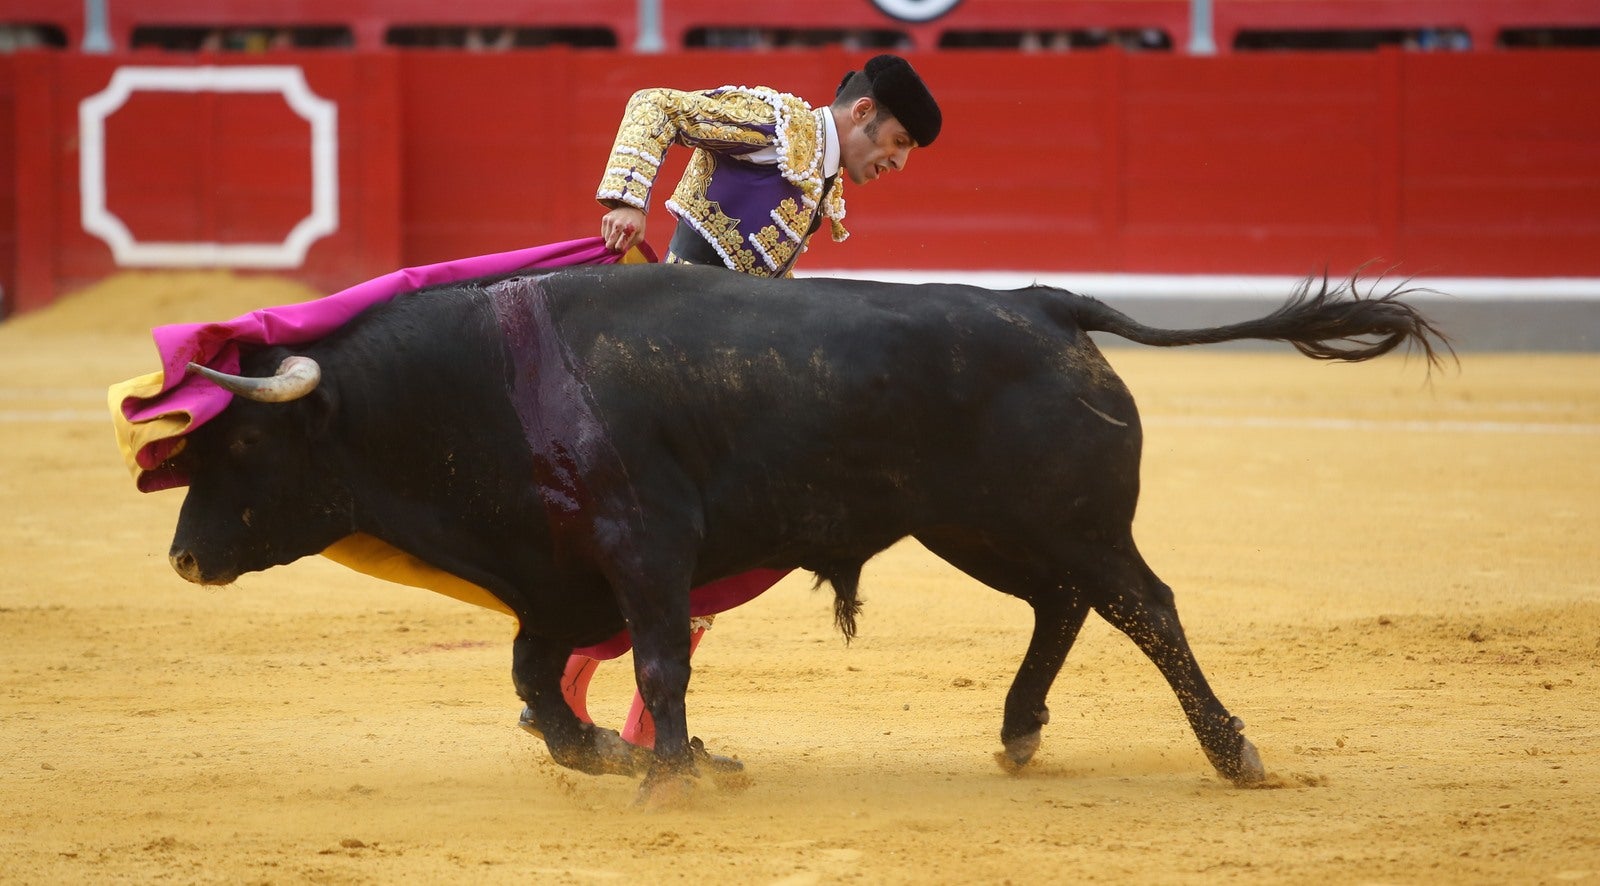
x=184, y=563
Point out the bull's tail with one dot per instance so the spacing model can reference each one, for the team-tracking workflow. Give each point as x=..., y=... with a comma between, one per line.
x=1329, y=323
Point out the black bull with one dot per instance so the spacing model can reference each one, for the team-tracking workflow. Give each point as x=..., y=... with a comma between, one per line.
x=591, y=443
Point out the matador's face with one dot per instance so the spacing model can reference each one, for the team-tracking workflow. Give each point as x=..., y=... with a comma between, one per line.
x=872, y=142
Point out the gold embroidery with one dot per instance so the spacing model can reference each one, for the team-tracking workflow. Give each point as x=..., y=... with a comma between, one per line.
x=722, y=119
x=655, y=118
x=795, y=218
x=833, y=211
x=799, y=140
x=776, y=245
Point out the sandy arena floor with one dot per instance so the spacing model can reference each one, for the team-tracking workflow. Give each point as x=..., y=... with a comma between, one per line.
x=1396, y=584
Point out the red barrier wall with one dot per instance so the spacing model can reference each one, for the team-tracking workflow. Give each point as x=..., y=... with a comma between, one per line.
x=938, y=24
x=1480, y=164
x=1447, y=164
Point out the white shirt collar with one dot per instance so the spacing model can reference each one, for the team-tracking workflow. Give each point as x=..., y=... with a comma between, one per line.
x=830, y=150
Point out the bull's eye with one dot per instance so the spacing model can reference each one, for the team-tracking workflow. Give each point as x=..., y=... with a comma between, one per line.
x=247, y=516
x=243, y=441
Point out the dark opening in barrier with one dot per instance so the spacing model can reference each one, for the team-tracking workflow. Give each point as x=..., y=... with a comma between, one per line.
x=1357, y=40
x=17, y=36
x=1549, y=38
x=498, y=37
x=1131, y=39
x=240, y=38
x=794, y=38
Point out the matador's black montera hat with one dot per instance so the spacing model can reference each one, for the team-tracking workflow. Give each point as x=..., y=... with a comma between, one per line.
x=894, y=85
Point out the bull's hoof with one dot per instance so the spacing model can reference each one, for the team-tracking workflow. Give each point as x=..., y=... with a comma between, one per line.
x=1251, y=773
x=597, y=752
x=1245, y=769
x=1018, y=752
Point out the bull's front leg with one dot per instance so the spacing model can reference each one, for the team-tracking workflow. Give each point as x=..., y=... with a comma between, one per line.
x=661, y=669
x=536, y=666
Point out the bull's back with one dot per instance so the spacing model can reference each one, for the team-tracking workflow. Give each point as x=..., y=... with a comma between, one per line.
x=705, y=339
x=822, y=388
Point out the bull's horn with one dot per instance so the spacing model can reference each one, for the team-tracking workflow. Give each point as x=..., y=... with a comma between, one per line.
x=296, y=377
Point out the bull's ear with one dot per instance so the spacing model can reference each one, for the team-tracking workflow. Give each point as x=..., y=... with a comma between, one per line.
x=320, y=406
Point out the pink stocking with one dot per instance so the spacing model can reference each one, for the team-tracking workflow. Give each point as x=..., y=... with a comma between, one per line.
x=575, y=684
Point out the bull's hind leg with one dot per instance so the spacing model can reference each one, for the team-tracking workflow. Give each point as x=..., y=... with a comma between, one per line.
x=1140, y=605
x=536, y=666
x=1056, y=623
x=1058, y=614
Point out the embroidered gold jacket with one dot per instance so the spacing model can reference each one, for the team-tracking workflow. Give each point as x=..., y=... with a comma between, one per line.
x=755, y=215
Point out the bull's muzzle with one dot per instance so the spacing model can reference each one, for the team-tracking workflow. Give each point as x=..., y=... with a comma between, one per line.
x=187, y=565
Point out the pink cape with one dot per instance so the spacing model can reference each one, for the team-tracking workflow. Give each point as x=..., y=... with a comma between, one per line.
x=217, y=345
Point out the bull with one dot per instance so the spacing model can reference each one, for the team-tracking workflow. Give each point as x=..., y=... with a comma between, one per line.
x=589, y=444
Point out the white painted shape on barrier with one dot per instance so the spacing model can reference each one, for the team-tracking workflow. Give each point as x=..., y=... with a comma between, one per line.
x=915, y=10
x=287, y=80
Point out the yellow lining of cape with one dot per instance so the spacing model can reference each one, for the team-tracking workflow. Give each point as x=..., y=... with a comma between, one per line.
x=373, y=556
x=133, y=437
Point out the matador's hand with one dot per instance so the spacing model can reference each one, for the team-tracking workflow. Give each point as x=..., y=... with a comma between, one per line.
x=622, y=228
